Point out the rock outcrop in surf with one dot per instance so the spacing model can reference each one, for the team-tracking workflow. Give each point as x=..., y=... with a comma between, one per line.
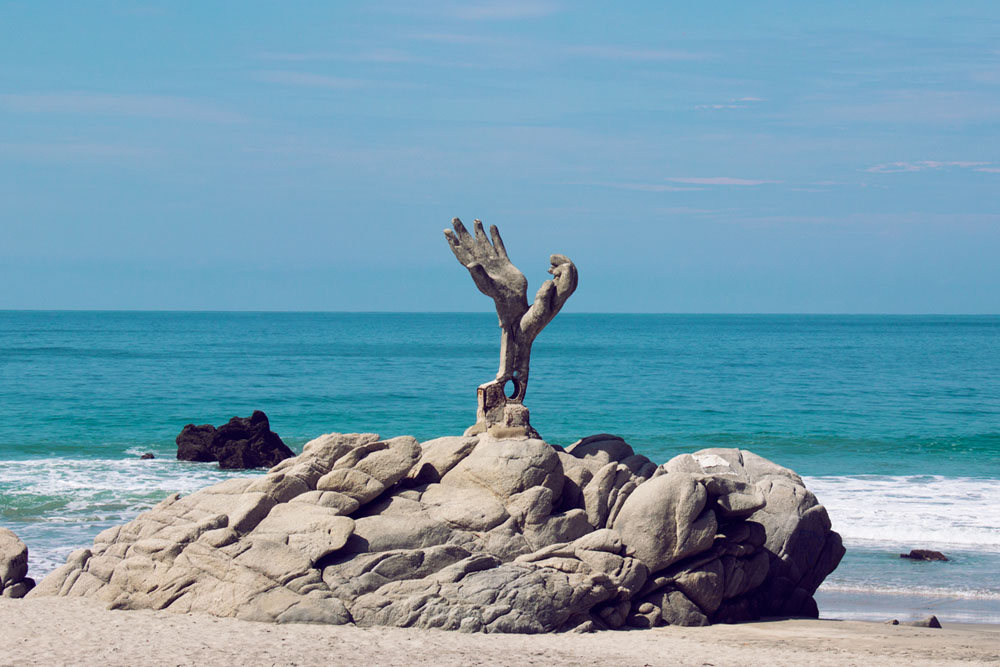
x=242, y=442
x=474, y=533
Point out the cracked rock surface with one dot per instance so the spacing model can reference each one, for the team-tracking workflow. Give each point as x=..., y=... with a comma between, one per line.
x=475, y=534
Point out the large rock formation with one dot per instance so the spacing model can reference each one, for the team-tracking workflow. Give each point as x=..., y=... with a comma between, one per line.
x=14, y=579
x=243, y=442
x=474, y=534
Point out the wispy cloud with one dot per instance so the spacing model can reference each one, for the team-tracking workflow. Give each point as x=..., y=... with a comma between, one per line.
x=294, y=57
x=687, y=210
x=290, y=78
x=927, y=165
x=641, y=187
x=719, y=180
x=903, y=219
x=986, y=76
x=310, y=80
x=378, y=55
x=913, y=106
x=626, y=53
x=145, y=106
x=736, y=103
x=505, y=11
x=453, y=38
x=144, y=11
x=74, y=151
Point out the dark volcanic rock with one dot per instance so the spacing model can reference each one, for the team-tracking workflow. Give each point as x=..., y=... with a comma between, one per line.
x=147, y=456
x=249, y=442
x=195, y=443
x=243, y=442
x=924, y=554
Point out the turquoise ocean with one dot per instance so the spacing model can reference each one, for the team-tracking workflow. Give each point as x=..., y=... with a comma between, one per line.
x=894, y=421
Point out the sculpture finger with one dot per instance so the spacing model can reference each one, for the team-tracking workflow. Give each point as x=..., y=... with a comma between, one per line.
x=464, y=238
x=566, y=277
x=483, y=246
x=556, y=260
x=498, y=242
x=461, y=252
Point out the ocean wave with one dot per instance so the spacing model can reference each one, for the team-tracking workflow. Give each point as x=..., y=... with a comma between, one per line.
x=60, y=490
x=57, y=505
x=45, y=560
x=915, y=511
x=927, y=591
x=61, y=503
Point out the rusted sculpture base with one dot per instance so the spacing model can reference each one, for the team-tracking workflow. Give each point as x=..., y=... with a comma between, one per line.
x=500, y=416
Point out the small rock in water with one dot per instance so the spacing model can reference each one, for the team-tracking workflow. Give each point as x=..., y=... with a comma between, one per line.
x=924, y=554
x=147, y=456
x=929, y=622
x=243, y=442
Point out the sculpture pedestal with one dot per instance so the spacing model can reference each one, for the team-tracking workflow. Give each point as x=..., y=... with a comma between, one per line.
x=500, y=416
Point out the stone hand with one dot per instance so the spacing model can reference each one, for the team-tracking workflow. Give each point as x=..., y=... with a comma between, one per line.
x=550, y=297
x=491, y=269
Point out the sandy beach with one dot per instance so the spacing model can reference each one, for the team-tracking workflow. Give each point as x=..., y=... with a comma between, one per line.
x=59, y=631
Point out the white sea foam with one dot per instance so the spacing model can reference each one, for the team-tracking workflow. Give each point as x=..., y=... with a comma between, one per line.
x=873, y=604
x=57, y=505
x=924, y=591
x=71, y=490
x=913, y=511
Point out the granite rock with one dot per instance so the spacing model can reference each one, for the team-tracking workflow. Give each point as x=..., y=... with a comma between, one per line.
x=14, y=580
x=475, y=534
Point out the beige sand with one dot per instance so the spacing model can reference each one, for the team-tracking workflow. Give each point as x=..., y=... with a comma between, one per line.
x=59, y=631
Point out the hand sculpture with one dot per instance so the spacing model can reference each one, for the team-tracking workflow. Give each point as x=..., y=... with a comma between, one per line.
x=498, y=278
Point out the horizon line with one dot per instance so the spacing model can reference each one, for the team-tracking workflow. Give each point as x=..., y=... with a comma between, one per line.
x=490, y=312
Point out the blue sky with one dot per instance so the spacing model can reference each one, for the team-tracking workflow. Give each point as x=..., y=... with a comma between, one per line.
x=689, y=157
